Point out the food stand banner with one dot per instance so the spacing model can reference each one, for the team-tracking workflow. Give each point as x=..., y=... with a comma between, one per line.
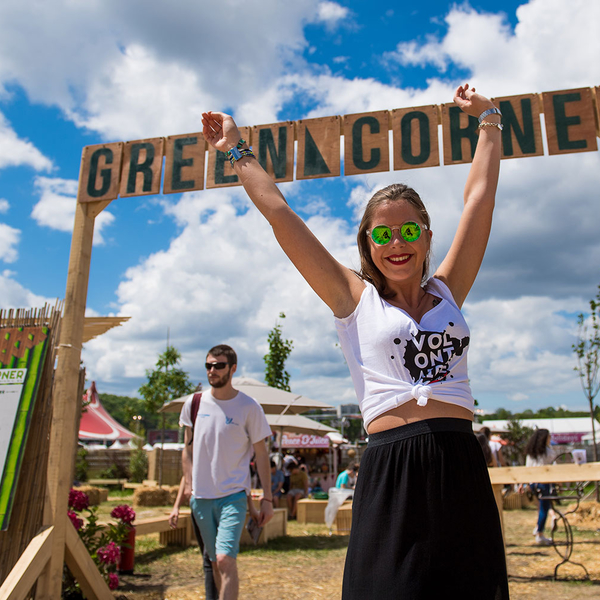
x=571, y=120
x=303, y=440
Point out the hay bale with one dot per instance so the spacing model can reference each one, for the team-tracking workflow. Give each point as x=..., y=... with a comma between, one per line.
x=151, y=496
x=96, y=495
x=587, y=516
x=173, y=490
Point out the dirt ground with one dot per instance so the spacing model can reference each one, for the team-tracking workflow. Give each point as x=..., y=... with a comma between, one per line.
x=308, y=564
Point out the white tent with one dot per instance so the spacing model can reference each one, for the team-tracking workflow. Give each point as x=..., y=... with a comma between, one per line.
x=563, y=431
x=273, y=400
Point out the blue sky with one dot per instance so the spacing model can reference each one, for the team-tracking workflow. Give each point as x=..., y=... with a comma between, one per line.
x=203, y=265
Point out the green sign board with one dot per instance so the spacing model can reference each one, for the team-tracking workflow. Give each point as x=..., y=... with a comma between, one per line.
x=22, y=352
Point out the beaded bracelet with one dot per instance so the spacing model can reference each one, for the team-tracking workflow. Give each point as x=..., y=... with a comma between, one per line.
x=267, y=500
x=489, y=124
x=234, y=154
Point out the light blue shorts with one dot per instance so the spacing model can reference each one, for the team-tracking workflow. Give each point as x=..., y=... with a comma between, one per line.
x=221, y=522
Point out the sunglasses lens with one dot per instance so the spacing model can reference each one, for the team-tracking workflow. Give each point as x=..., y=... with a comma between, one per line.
x=218, y=366
x=410, y=231
x=381, y=234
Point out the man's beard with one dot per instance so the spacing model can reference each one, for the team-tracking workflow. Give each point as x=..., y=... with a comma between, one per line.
x=222, y=381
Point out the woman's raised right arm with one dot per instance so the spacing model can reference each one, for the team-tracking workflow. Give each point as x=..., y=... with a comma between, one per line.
x=334, y=283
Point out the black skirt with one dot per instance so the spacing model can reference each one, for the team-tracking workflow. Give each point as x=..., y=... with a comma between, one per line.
x=424, y=519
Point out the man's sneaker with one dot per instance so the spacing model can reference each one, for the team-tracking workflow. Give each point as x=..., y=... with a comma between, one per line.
x=540, y=540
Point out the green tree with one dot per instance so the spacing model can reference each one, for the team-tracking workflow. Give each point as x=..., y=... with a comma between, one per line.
x=166, y=382
x=279, y=349
x=587, y=350
x=517, y=437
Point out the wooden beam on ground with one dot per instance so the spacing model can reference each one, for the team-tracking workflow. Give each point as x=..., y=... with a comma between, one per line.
x=28, y=568
x=84, y=569
x=546, y=474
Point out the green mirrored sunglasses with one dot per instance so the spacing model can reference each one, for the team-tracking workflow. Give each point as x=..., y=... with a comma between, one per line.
x=382, y=234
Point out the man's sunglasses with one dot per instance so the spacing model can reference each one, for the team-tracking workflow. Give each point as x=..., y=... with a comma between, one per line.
x=382, y=234
x=218, y=366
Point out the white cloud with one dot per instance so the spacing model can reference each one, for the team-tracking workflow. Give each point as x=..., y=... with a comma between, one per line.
x=552, y=44
x=56, y=207
x=15, y=151
x=9, y=239
x=14, y=295
x=4, y=205
x=223, y=278
x=331, y=13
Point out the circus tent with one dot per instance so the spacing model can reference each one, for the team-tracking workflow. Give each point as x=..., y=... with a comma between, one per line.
x=96, y=423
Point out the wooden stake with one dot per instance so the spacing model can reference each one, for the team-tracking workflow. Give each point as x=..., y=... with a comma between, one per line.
x=63, y=436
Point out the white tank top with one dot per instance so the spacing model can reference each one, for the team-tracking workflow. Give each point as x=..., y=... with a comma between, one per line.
x=393, y=359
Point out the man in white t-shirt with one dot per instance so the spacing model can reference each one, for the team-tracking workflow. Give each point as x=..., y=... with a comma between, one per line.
x=230, y=427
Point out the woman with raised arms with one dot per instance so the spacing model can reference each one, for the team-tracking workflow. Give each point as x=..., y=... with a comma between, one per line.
x=424, y=521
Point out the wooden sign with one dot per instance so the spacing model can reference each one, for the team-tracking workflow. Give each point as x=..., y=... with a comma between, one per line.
x=220, y=172
x=142, y=167
x=366, y=143
x=184, y=165
x=570, y=123
x=522, y=133
x=100, y=172
x=318, y=148
x=273, y=146
x=415, y=135
x=460, y=135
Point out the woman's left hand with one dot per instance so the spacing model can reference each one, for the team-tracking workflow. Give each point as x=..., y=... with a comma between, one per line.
x=471, y=102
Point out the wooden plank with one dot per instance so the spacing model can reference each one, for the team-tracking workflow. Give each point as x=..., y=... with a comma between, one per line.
x=415, y=135
x=459, y=134
x=596, y=97
x=522, y=133
x=142, y=167
x=220, y=173
x=184, y=163
x=159, y=524
x=366, y=143
x=273, y=146
x=100, y=172
x=28, y=568
x=319, y=145
x=84, y=569
x=546, y=474
x=570, y=121
x=67, y=402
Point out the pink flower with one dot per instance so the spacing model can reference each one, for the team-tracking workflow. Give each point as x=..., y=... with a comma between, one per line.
x=113, y=581
x=77, y=522
x=109, y=554
x=78, y=500
x=124, y=512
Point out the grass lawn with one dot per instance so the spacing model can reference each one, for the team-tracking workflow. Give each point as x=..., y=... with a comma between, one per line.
x=308, y=564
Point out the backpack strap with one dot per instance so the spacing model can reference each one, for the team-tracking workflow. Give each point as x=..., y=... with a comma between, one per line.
x=195, y=407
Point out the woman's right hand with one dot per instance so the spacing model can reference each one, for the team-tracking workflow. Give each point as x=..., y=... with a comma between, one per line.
x=220, y=130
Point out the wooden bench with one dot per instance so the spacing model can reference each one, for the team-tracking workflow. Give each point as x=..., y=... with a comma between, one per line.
x=183, y=534
x=108, y=482
x=343, y=519
x=312, y=511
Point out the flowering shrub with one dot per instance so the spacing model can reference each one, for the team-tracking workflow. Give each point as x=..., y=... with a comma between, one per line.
x=102, y=542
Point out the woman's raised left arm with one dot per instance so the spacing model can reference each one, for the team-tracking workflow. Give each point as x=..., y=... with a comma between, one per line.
x=461, y=265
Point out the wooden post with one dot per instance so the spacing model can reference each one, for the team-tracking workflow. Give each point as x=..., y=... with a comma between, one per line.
x=63, y=435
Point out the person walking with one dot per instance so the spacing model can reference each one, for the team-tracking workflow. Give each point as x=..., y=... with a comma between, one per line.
x=424, y=493
x=539, y=453
x=229, y=427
